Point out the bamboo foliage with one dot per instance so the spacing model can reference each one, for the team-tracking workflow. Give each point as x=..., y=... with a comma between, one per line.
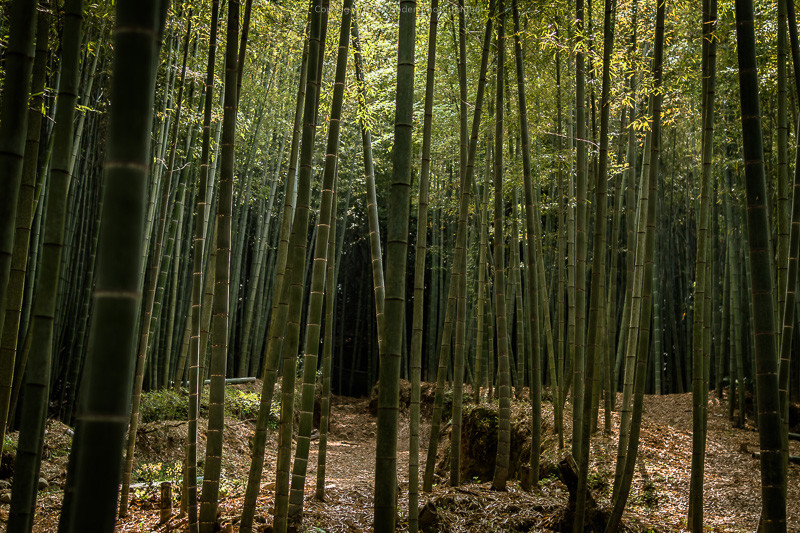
x=226, y=295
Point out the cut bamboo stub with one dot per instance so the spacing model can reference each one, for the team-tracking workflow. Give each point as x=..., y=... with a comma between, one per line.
x=166, y=501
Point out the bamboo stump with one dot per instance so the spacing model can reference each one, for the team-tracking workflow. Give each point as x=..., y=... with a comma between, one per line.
x=166, y=501
x=596, y=518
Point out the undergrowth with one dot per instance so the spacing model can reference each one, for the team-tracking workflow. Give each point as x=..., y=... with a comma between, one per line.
x=167, y=404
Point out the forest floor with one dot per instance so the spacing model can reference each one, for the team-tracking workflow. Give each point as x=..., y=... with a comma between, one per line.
x=658, y=500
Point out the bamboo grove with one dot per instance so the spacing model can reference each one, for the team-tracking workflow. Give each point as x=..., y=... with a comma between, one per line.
x=575, y=203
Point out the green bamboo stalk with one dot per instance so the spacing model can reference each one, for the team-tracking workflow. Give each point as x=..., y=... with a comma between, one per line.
x=790, y=294
x=581, y=226
x=734, y=262
x=277, y=325
x=37, y=378
x=480, y=341
x=10, y=327
x=702, y=281
x=595, y=342
x=531, y=270
x=219, y=321
x=453, y=304
x=249, y=364
x=561, y=246
x=159, y=265
x=459, y=276
x=396, y=253
x=517, y=295
x=420, y=251
x=327, y=353
x=782, y=212
x=501, y=470
x=643, y=284
x=773, y=475
x=95, y=465
x=296, y=260
x=327, y=213
x=14, y=118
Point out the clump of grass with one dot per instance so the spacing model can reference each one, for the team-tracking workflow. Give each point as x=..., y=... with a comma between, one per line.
x=165, y=404
x=9, y=445
x=242, y=404
x=649, y=494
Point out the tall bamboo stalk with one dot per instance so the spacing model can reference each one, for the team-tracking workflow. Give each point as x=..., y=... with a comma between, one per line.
x=37, y=378
x=595, y=345
x=327, y=213
x=396, y=252
x=641, y=298
x=420, y=251
x=702, y=281
x=277, y=324
x=294, y=281
x=222, y=274
x=578, y=361
x=10, y=327
x=95, y=465
x=531, y=264
x=501, y=469
x=14, y=118
x=773, y=475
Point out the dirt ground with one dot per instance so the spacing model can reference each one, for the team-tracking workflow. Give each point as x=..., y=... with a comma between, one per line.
x=657, y=503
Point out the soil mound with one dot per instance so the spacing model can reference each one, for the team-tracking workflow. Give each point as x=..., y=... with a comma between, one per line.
x=479, y=444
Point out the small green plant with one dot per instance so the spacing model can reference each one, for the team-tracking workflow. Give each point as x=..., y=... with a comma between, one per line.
x=9, y=444
x=165, y=404
x=598, y=480
x=229, y=486
x=242, y=404
x=156, y=472
x=649, y=494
